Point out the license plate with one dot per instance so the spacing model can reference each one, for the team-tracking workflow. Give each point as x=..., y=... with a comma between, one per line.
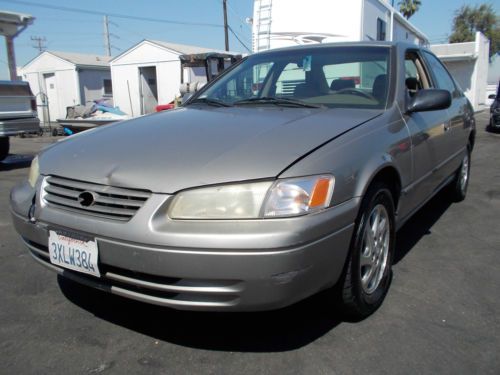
x=74, y=252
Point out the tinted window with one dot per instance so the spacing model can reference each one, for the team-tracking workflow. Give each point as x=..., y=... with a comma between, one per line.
x=443, y=78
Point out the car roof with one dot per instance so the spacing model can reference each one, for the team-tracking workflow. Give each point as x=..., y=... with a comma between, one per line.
x=387, y=44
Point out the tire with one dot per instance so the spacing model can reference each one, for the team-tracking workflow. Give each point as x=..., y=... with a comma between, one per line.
x=368, y=274
x=4, y=147
x=460, y=183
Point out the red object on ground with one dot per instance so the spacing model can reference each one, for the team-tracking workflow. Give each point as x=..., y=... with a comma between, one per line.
x=164, y=107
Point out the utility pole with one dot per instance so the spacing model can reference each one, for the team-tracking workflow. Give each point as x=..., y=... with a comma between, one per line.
x=39, y=43
x=107, y=44
x=226, y=27
x=11, y=25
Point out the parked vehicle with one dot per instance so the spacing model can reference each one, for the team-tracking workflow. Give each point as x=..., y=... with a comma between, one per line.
x=288, y=174
x=17, y=112
x=495, y=111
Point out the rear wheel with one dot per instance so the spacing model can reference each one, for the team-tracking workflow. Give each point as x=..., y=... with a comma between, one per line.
x=368, y=271
x=4, y=147
x=461, y=182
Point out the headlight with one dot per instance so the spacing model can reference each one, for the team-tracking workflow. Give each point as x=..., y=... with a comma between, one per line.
x=299, y=196
x=34, y=172
x=291, y=197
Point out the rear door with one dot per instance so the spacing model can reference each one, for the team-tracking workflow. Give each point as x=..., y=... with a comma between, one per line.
x=451, y=151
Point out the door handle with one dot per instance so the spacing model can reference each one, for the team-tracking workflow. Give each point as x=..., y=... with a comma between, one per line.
x=447, y=126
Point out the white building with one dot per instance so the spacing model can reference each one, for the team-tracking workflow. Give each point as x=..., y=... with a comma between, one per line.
x=468, y=63
x=66, y=79
x=149, y=74
x=493, y=78
x=281, y=23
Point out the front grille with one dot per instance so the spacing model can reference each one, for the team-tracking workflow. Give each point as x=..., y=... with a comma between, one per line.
x=107, y=201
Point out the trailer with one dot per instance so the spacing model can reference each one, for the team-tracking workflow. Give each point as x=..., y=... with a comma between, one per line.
x=283, y=23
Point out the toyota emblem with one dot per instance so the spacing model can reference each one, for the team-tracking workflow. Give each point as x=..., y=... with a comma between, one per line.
x=87, y=198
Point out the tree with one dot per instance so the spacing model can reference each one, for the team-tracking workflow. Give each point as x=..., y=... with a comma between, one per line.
x=409, y=7
x=468, y=20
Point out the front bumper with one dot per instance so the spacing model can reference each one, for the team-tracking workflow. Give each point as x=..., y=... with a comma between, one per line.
x=208, y=265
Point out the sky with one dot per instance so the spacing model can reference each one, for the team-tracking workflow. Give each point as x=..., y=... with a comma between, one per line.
x=194, y=22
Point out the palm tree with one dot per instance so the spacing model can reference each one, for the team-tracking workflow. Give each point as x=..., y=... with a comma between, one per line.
x=409, y=7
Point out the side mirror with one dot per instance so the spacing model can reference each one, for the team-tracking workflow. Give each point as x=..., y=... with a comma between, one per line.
x=429, y=100
x=492, y=96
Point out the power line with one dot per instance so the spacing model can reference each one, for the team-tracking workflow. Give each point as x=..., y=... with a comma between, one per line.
x=116, y=15
x=243, y=36
x=130, y=31
x=243, y=22
x=239, y=40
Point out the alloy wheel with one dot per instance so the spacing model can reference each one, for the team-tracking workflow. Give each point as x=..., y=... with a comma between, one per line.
x=375, y=248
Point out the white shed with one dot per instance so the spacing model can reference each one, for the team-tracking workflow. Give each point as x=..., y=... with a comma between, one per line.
x=67, y=79
x=282, y=23
x=149, y=74
x=468, y=63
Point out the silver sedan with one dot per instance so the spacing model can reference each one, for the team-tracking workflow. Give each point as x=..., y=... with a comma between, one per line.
x=287, y=175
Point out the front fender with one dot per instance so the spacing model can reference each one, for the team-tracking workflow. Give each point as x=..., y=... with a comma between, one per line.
x=358, y=156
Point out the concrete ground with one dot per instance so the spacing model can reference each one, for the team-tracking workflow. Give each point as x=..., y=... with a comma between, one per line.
x=441, y=315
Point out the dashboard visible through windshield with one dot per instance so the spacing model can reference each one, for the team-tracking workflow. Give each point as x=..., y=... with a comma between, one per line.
x=351, y=77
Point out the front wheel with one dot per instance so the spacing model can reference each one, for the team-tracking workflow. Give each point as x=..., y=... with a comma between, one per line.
x=368, y=271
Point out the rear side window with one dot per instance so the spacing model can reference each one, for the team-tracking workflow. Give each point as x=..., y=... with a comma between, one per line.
x=441, y=75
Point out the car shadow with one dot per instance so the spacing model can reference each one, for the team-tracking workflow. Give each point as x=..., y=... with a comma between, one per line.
x=274, y=331
x=420, y=224
x=271, y=331
x=15, y=161
x=492, y=130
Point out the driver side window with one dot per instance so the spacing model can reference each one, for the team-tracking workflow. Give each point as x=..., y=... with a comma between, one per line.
x=416, y=77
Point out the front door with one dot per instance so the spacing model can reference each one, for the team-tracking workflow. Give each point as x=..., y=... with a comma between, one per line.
x=428, y=133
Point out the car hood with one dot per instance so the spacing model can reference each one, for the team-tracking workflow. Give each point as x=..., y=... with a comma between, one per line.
x=198, y=145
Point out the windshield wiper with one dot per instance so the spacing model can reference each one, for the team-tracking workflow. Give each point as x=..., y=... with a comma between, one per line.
x=210, y=101
x=277, y=101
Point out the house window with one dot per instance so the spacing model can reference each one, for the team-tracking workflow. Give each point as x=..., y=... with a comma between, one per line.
x=108, y=88
x=381, y=27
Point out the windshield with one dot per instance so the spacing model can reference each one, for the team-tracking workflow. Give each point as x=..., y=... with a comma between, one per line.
x=352, y=77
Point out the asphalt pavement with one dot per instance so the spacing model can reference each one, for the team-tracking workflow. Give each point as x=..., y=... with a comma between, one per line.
x=441, y=316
